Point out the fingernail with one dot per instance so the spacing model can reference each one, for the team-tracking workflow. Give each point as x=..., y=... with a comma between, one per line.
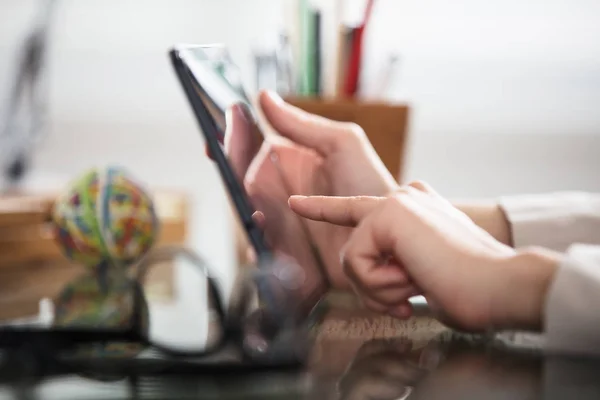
x=276, y=98
x=229, y=116
x=244, y=110
x=297, y=197
x=399, y=315
x=401, y=312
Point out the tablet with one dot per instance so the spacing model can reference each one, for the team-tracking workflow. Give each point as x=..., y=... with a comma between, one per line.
x=212, y=83
x=291, y=283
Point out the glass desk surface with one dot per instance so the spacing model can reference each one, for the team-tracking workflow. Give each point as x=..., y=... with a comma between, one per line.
x=356, y=355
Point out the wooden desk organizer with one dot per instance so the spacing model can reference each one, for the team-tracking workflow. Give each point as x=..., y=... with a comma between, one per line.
x=386, y=126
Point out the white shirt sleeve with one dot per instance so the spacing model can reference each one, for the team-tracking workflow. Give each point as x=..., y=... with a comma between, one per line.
x=572, y=311
x=554, y=221
x=568, y=223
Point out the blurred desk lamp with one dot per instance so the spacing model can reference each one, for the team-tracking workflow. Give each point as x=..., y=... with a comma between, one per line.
x=26, y=109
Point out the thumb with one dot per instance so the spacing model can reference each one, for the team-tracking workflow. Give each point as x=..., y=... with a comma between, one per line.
x=309, y=130
x=345, y=211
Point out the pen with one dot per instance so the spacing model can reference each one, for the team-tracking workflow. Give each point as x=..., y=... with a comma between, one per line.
x=386, y=78
x=356, y=55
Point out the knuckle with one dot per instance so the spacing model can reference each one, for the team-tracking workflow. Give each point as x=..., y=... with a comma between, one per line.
x=396, y=201
x=350, y=273
x=351, y=130
x=346, y=262
x=348, y=258
x=403, y=195
x=419, y=185
x=355, y=129
x=351, y=268
x=346, y=268
x=347, y=134
x=397, y=204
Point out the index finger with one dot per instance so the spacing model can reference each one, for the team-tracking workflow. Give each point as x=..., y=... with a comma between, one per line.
x=345, y=211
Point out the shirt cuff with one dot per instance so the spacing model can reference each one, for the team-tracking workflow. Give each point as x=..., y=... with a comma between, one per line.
x=554, y=221
x=572, y=314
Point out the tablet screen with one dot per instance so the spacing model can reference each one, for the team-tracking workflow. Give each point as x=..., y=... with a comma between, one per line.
x=220, y=80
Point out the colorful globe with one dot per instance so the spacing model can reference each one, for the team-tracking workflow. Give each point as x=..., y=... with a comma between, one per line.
x=105, y=218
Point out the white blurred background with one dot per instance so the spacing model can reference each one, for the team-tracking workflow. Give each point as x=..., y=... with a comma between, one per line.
x=504, y=94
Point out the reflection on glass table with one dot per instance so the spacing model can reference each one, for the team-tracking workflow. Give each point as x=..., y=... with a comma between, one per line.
x=449, y=367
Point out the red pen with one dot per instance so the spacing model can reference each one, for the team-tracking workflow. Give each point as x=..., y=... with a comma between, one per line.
x=353, y=74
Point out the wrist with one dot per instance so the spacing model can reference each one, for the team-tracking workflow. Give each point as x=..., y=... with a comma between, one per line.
x=489, y=217
x=528, y=276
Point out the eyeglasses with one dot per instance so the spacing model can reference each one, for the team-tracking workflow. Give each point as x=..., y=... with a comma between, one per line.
x=275, y=332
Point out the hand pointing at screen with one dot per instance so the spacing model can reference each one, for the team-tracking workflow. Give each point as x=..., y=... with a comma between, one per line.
x=312, y=155
x=473, y=281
